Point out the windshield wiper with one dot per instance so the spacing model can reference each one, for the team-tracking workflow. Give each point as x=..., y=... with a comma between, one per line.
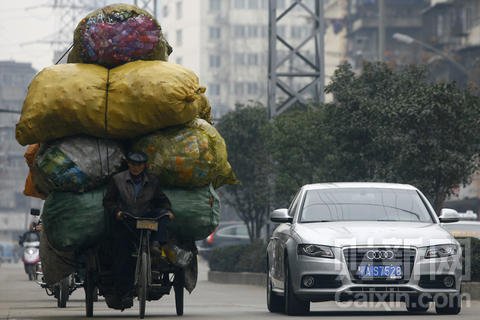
x=314, y=221
x=407, y=211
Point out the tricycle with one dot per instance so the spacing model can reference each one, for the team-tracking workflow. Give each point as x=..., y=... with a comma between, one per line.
x=152, y=280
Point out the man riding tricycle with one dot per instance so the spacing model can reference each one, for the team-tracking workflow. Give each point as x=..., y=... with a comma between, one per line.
x=145, y=261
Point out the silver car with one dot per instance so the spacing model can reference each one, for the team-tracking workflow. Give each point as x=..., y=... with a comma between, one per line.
x=362, y=241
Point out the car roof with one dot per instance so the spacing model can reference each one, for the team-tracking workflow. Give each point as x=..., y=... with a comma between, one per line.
x=345, y=185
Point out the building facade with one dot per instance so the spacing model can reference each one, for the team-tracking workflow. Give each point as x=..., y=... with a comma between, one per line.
x=399, y=16
x=450, y=27
x=14, y=80
x=226, y=43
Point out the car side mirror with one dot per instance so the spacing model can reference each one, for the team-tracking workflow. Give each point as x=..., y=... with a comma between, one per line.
x=280, y=216
x=35, y=212
x=449, y=215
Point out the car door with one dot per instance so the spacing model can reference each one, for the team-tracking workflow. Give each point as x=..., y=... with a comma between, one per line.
x=279, y=240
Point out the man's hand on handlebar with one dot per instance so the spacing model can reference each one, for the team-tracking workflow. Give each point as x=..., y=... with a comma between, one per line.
x=119, y=215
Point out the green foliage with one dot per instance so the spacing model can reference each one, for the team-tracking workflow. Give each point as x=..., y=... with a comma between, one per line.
x=241, y=258
x=395, y=126
x=475, y=265
x=473, y=244
x=245, y=136
x=384, y=125
x=297, y=144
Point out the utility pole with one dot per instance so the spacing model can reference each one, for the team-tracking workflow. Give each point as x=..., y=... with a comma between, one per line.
x=310, y=81
x=381, y=29
x=9, y=111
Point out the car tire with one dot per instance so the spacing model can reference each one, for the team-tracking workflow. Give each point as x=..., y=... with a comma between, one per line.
x=416, y=304
x=293, y=305
x=451, y=304
x=275, y=303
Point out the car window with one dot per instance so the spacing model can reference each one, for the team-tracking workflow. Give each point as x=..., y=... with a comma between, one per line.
x=241, y=231
x=364, y=204
x=294, y=205
x=234, y=231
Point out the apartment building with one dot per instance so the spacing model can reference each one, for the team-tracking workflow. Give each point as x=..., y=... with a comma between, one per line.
x=226, y=43
x=14, y=80
x=400, y=16
x=453, y=26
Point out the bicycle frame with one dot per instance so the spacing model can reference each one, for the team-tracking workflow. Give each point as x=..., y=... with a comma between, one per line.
x=144, y=247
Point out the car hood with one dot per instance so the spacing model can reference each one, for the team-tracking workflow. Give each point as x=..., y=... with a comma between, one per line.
x=352, y=233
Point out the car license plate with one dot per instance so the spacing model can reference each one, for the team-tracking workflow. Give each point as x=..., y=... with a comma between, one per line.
x=380, y=271
x=147, y=224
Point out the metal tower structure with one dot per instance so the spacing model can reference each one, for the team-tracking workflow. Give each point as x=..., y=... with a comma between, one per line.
x=68, y=14
x=296, y=77
x=148, y=5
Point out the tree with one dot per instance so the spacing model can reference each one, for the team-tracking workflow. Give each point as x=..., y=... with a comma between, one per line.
x=396, y=126
x=244, y=134
x=298, y=145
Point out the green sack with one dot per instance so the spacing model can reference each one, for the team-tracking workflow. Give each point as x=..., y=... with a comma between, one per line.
x=197, y=212
x=74, y=221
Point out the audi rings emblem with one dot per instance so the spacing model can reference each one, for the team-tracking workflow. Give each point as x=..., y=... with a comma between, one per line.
x=380, y=254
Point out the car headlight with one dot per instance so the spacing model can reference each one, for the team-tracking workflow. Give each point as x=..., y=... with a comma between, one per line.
x=314, y=250
x=445, y=250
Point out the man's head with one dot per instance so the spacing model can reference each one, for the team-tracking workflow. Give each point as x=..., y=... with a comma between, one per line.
x=137, y=162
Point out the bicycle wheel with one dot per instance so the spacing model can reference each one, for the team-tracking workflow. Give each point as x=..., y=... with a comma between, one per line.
x=30, y=272
x=90, y=291
x=142, y=284
x=178, y=284
x=63, y=292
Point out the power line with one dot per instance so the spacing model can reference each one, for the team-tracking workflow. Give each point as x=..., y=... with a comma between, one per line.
x=9, y=111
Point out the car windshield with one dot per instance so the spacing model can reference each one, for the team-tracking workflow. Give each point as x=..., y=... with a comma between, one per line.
x=363, y=204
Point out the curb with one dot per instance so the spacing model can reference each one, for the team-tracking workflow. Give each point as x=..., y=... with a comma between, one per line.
x=260, y=279
x=248, y=278
x=472, y=289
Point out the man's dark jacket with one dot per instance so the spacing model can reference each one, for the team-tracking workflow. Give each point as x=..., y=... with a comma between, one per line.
x=120, y=195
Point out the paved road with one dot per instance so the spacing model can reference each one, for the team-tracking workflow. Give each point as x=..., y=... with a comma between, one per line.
x=22, y=299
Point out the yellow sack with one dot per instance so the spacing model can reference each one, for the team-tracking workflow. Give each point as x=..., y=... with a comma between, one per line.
x=193, y=155
x=204, y=109
x=142, y=97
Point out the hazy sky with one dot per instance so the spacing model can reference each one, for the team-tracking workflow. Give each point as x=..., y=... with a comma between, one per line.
x=23, y=25
x=25, y=28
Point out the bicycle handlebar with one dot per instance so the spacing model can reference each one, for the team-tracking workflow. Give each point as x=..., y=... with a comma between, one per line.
x=127, y=214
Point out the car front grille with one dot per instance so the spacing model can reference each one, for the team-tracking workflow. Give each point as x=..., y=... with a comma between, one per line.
x=355, y=257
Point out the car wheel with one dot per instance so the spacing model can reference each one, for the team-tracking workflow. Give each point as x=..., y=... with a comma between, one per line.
x=416, y=304
x=448, y=304
x=275, y=303
x=293, y=305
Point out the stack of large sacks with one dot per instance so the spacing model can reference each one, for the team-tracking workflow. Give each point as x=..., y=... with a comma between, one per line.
x=117, y=94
